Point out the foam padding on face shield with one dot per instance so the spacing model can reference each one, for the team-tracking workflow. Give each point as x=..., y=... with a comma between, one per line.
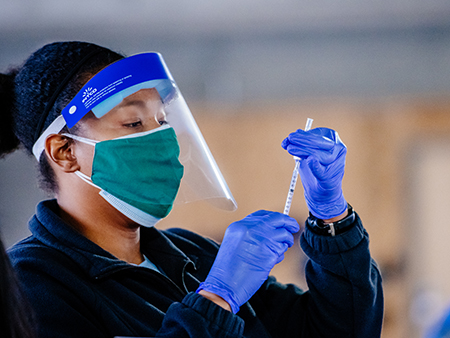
x=165, y=88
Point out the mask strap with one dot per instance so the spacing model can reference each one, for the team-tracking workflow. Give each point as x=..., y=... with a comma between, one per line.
x=81, y=139
x=86, y=178
x=94, y=142
x=128, y=210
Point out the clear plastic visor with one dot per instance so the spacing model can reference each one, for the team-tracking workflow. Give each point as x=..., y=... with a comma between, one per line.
x=202, y=178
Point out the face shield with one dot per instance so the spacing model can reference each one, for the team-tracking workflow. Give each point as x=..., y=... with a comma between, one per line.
x=202, y=178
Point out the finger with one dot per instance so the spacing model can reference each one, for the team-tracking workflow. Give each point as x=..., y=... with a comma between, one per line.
x=330, y=134
x=276, y=220
x=325, y=157
x=280, y=259
x=260, y=213
x=316, y=168
x=310, y=139
x=300, y=151
x=306, y=176
x=282, y=237
x=285, y=143
x=301, y=138
x=281, y=221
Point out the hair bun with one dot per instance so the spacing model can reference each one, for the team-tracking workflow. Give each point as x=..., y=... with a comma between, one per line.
x=8, y=140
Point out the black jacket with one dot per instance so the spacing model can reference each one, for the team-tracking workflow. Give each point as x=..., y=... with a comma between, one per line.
x=79, y=290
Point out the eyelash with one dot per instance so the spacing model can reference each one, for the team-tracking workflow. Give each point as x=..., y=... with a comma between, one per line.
x=139, y=123
x=134, y=124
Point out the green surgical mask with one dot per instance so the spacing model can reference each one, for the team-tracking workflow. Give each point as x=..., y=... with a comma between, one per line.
x=140, y=169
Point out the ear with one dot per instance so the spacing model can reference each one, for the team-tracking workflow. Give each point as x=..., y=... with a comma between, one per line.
x=59, y=150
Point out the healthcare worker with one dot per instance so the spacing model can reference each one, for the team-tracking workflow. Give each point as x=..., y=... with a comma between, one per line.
x=118, y=146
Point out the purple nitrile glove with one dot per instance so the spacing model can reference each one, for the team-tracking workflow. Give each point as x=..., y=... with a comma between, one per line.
x=249, y=250
x=322, y=163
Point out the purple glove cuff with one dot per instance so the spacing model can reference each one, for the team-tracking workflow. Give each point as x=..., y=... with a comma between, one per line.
x=220, y=292
x=328, y=211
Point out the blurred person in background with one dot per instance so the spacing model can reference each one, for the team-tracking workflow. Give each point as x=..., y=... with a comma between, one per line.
x=441, y=329
x=114, y=140
x=16, y=317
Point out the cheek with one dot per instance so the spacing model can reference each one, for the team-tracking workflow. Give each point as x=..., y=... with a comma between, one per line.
x=84, y=154
x=152, y=123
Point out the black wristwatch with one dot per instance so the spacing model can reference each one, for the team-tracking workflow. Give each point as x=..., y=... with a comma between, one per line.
x=332, y=229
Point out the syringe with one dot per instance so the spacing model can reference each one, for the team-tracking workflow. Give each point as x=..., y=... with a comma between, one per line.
x=287, y=206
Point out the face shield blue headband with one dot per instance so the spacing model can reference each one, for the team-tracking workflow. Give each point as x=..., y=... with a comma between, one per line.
x=150, y=160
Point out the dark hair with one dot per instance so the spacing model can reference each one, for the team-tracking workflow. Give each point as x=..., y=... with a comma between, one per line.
x=33, y=95
x=16, y=316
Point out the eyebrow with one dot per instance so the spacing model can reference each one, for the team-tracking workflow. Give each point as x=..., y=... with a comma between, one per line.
x=131, y=103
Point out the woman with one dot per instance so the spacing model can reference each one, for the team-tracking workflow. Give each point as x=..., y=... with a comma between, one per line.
x=114, y=139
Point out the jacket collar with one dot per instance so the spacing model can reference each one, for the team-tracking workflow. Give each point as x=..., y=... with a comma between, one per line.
x=52, y=231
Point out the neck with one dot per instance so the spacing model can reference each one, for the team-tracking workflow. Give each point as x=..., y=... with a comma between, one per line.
x=97, y=220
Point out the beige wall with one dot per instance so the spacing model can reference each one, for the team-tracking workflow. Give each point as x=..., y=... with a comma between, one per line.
x=382, y=136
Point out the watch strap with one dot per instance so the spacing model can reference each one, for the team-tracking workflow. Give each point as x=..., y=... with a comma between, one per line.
x=317, y=225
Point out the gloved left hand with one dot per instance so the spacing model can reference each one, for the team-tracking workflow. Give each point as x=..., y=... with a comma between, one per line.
x=322, y=163
x=249, y=250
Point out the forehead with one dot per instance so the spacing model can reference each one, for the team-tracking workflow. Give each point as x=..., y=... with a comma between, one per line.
x=145, y=102
x=143, y=95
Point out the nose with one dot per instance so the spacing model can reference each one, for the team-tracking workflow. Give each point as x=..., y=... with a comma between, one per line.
x=156, y=117
x=154, y=108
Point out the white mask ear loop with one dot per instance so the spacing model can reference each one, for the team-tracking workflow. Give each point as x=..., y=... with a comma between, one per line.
x=81, y=139
x=84, y=177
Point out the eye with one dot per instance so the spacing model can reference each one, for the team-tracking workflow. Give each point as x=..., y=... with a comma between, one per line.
x=133, y=124
x=162, y=117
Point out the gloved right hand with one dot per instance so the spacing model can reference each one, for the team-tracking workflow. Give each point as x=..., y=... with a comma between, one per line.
x=249, y=250
x=321, y=169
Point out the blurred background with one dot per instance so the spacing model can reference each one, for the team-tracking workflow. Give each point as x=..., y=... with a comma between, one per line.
x=252, y=71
